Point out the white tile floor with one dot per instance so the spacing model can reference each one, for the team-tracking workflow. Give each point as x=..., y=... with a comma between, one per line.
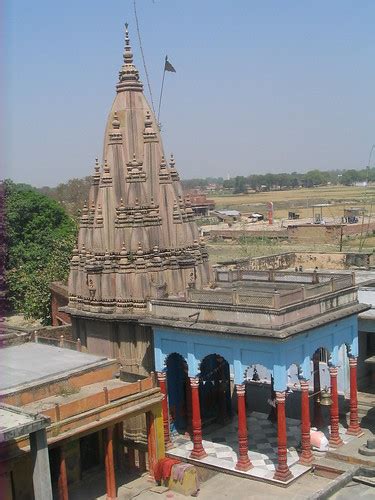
x=221, y=445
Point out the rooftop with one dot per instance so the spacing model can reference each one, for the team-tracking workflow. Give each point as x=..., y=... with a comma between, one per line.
x=15, y=422
x=32, y=363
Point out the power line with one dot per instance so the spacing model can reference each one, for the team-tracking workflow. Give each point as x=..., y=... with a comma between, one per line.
x=143, y=56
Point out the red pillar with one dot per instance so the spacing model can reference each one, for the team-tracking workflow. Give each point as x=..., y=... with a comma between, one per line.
x=354, y=429
x=162, y=379
x=109, y=464
x=282, y=472
x=306, y=457
x=151, y=442
x=63, y=478
x=243, y=462
x=198, y=450
x=334, y=438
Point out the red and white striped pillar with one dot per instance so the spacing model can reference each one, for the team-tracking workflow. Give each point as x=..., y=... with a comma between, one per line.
x=243, y=462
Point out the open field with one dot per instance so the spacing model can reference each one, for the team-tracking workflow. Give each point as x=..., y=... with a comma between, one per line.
x=301, y=200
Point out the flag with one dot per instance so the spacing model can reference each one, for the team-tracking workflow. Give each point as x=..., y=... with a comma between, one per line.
x=168, y=66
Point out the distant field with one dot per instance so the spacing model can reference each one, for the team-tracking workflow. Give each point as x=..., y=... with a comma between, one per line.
x=301, y=199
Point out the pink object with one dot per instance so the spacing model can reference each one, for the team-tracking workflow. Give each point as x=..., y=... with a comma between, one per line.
x=318, y=440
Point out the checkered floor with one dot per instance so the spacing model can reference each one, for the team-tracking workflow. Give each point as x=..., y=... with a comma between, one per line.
x=221, y=445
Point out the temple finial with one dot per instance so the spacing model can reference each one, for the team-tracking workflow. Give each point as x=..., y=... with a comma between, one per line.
x=128, y=54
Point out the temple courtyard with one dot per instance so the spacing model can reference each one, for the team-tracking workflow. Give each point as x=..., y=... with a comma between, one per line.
x=221, y=445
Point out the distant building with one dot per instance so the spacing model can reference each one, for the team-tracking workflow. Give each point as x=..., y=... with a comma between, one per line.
x=199, y=202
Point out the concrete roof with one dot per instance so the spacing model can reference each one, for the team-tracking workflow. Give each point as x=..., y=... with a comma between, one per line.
x=30, y=362
x=15, y=422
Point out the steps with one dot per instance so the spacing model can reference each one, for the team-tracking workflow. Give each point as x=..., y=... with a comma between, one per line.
x=366, y=402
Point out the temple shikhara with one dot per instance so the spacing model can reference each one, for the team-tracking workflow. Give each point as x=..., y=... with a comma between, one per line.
x=223, y=366
x=137, y=239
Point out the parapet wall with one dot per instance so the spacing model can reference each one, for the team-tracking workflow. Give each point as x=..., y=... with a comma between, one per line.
x=309, y=260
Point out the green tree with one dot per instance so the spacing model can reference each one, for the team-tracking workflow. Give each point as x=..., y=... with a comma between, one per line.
x=240, y=184
x=40, y=239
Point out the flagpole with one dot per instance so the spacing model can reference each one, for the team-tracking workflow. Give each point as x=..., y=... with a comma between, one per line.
x=161, y=91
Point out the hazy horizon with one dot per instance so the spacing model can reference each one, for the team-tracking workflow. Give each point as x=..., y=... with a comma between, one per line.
x=260, y=87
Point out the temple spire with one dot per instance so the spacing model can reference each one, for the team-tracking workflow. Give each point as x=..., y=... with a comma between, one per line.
x=128, y=54
x=129, y=75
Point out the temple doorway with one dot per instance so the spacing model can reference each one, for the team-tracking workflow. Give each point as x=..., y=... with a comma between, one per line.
x=214, y=390
x=178, y=393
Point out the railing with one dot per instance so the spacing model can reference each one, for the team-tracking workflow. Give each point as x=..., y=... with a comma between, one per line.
x=308, y=285
x=61, y=341
x=231, y=275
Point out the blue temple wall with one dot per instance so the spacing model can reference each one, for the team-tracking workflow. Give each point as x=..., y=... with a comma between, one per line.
x=275, y=355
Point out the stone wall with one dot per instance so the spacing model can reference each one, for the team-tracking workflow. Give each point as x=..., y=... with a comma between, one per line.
x=319, y=233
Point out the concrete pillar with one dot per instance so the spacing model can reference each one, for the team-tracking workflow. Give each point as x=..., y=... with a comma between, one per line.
x=354, y=428
x=243, y=462
x=282, y=472
x=334, y=438
x=306, y=457
x=198, y=450
x=40, y=461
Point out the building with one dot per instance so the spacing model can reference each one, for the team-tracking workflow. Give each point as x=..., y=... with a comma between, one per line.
x=141, y=290
x=62, y=419
x=200, y=204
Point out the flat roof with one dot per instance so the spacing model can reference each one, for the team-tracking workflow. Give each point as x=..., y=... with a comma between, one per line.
x=15, y=422
x=31, y=362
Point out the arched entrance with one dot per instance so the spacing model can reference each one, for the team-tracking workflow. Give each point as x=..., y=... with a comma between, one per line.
x=214, y=390
x=178, y=393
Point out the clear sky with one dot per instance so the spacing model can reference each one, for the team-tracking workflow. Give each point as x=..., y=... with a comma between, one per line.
x=261, y=86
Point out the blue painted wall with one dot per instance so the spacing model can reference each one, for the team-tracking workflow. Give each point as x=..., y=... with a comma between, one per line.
x=242, y=352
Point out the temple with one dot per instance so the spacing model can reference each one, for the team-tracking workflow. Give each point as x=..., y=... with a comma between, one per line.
x=232, y=348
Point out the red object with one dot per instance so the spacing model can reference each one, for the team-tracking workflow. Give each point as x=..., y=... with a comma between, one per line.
x=110, y=479
x=162, y=379
x=317, y=417
x=334, y=438
x=354, y=429
x=243, y=462
x=306, y=457
x=151, y=442
x=163, y=468
x=198, y=450
x=270, y=212
x=282, y=470
x=63, y=479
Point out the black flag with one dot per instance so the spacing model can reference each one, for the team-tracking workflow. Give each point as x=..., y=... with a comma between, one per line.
x=168, y=66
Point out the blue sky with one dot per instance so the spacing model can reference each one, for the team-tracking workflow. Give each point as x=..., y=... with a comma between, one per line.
x=261, y=86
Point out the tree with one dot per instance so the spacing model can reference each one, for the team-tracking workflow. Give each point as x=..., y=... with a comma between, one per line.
x=240, y=184
x=40, y=239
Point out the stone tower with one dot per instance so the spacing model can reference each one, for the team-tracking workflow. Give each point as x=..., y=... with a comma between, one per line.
x=137, y=237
